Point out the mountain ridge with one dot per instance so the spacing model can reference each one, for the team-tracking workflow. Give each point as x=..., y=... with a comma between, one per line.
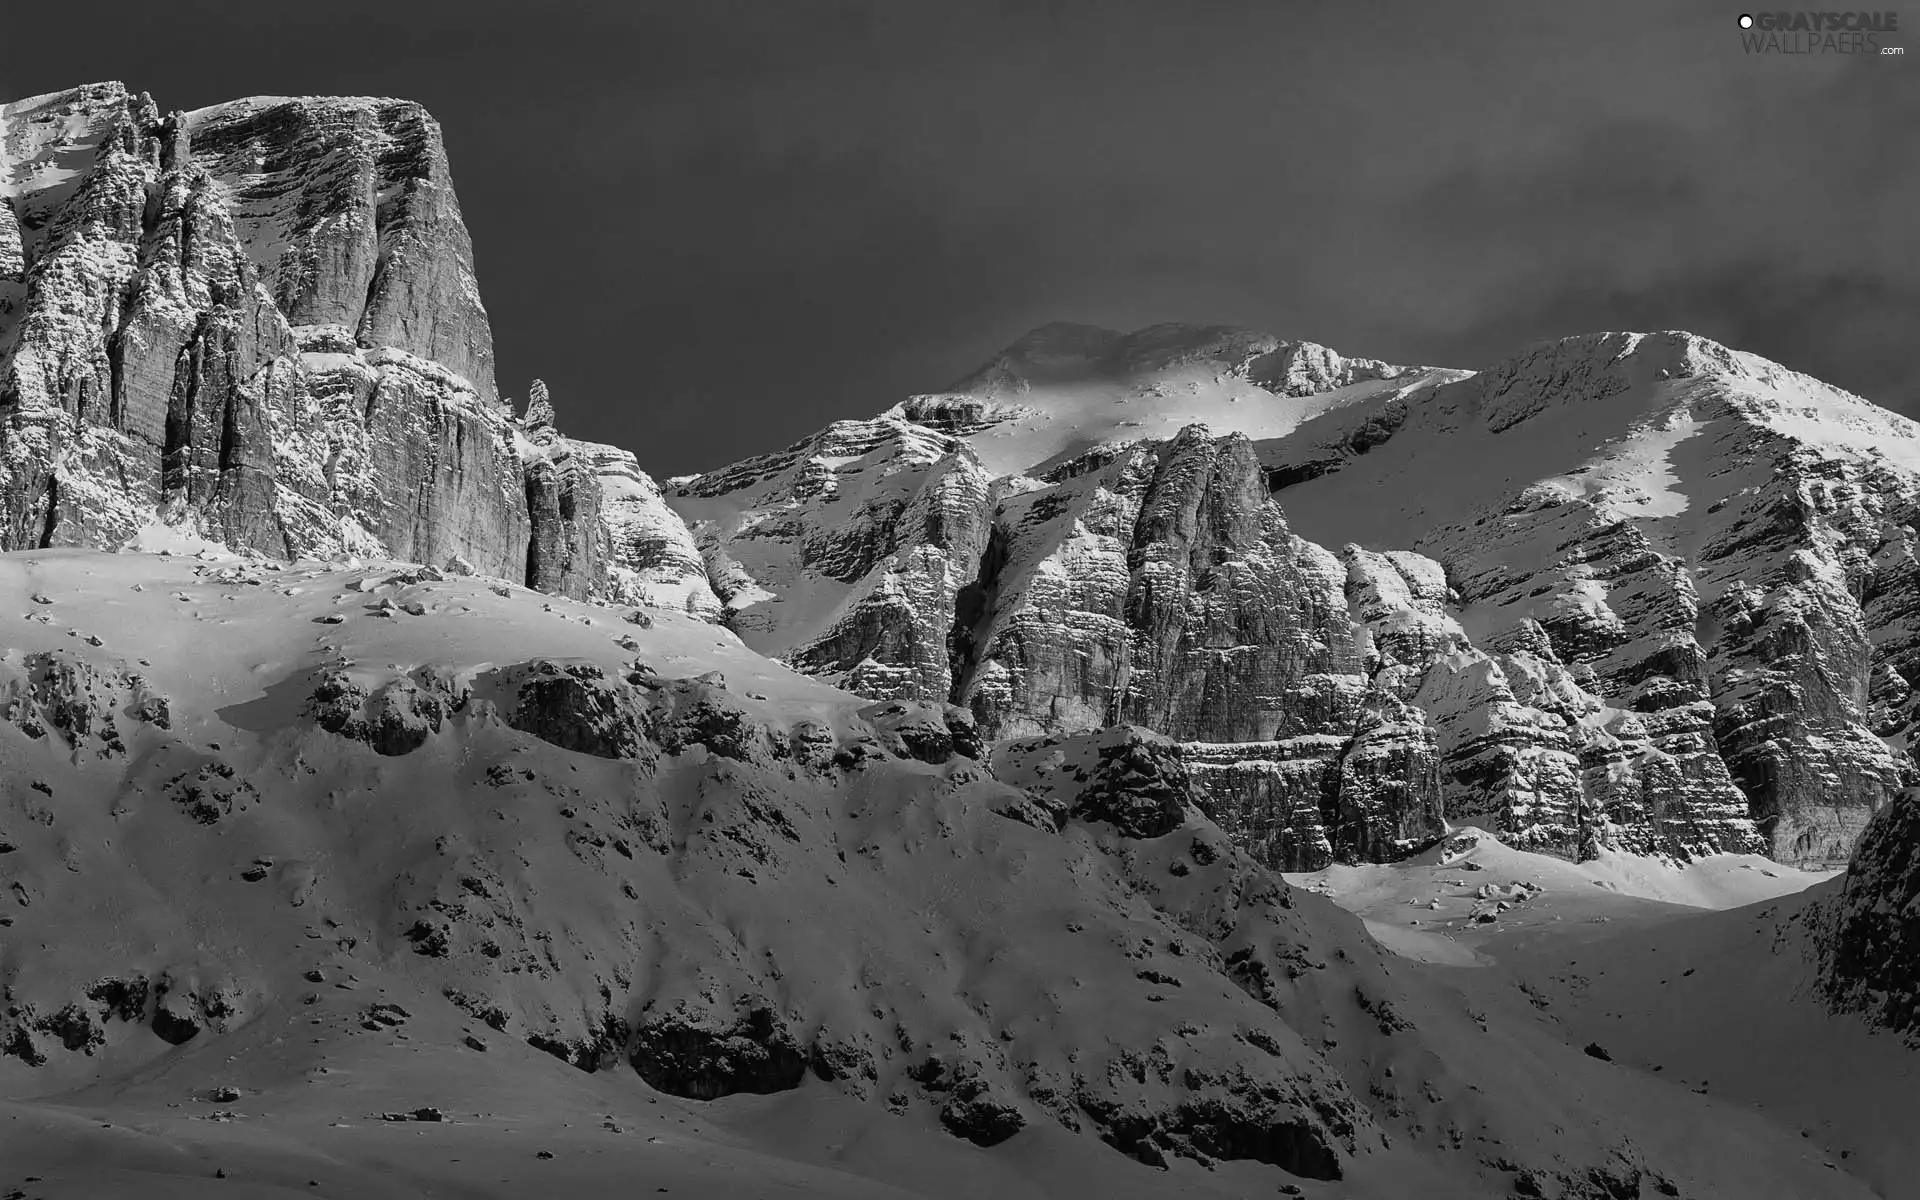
x=284, y=348
x=1608, y=737
x=415, y=781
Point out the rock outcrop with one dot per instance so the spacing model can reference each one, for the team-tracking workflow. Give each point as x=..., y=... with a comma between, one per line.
x=846, y=553
x=568, y=542
x=1161, y=587
x=1870, y=946
x=649, y=556
x=260, y=321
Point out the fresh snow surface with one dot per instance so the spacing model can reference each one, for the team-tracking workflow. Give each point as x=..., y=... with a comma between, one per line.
x=1056, y=422
x=1448, y=903
x=1717, y=1005
x=1697, y=975
x=1065, y=389
x=45, y=141
x=312, y=1098
x=1622, y=421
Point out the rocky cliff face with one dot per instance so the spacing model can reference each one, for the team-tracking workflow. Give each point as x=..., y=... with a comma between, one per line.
x=1696, y=561
x=1163, y=588
x=260, y=321
x=1870, y=932
x=846, y=553
x=1638, y=592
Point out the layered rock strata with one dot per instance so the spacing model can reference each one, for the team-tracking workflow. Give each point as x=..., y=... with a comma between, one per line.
x=260, y=322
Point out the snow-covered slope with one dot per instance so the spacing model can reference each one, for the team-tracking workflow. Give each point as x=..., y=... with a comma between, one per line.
x=1065, y=389
x=1471, y=899
x=349, y=840
x=1634, y=959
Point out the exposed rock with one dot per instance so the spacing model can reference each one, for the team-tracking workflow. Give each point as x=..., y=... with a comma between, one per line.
x=81, y=701
x=576, y=706
x=189, y=1003
x=704, y=1058
x=649, y=557
x=1682, y=663
x=260, y=321
x=602, y=1048
x=921, y=731
x=700, y=711
x=393, y=717
x=1615, y=692
x=563, y=507
x=888, y=517
x=211, y=790
x=1162, y=588
x=125, y=998
x=972, y=1107
x=1137, y=784
x=539, y=418
x=1871, y=945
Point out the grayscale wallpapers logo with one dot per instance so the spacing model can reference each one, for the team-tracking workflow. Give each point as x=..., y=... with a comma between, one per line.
x=1820, y=33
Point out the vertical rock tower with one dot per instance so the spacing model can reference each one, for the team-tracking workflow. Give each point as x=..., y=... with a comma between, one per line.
x=259, y=321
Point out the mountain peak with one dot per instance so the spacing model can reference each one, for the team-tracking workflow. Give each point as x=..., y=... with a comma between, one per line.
x=305, y=259
x=1065, y=388
x=1063, y=350
x=248, y=107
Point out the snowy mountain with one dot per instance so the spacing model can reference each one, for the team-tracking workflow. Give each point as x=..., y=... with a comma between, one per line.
x=288, y=882
x=1633, y=591
x=399, y=797
x=1064, y=389
x=1700, y=530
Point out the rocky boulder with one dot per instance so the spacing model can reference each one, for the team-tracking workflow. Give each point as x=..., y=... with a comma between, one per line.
x=704, y=1059
x=394, y=717
x=576, y=706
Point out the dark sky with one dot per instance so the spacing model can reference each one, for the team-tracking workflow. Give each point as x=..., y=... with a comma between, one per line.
x=715, y=225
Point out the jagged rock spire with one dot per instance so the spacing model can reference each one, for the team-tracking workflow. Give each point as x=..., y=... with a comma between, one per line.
x=539, y=407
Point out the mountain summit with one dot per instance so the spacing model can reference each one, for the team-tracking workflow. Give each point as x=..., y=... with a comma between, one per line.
x=1064, y=388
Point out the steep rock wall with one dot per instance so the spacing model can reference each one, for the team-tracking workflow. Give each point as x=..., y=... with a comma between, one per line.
x=260, y=321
